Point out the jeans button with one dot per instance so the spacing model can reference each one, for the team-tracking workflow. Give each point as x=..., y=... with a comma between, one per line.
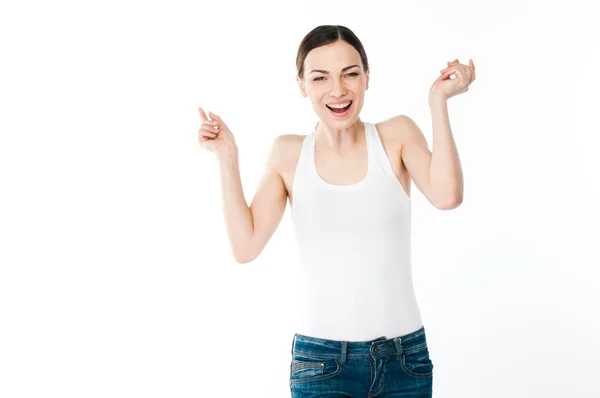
x=375, y=349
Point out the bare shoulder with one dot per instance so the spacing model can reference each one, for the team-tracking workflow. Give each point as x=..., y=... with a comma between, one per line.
x=394, y=131
x=289, y=141
x=285, y=150
x=396, y=128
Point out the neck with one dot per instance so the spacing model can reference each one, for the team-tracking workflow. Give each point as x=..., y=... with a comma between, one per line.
x=340, y=139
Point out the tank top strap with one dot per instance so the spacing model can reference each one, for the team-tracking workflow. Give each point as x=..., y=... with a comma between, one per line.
x=303, y=166
x=380, y=160
x=309, y=146
x=371, y=146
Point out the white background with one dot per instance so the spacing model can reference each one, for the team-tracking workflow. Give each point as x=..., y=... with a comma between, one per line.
x=116, y=277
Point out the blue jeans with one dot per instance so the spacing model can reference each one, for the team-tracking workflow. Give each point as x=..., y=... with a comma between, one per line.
x=397, y=367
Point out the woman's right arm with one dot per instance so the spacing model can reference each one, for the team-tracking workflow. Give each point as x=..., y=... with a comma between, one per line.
x=249, y=228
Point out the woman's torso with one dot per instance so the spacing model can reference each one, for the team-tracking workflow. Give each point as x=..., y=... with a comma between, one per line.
x=351, y=217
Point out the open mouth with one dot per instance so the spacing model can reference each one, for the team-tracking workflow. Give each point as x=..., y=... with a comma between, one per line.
x=340, y=109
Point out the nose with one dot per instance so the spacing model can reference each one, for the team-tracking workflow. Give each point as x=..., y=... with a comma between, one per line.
x=338, y=89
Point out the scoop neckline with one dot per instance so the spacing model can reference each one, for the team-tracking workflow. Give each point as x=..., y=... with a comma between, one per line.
x=355, y=185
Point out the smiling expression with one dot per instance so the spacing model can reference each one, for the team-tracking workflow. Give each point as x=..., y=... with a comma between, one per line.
x=334, y=77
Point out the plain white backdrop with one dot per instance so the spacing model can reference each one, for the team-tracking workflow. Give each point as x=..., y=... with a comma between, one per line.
x=116, y=276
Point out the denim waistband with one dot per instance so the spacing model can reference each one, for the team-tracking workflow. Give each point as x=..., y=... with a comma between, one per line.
x=339, y=349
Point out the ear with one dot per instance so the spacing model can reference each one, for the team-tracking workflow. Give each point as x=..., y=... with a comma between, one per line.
x=302, y=86
x=367, y=74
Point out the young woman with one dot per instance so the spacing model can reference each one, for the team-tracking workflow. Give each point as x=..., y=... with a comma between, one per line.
x=348, y=183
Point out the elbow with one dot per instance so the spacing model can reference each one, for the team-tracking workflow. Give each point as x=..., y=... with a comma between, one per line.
x=245, y=250
x=242, y=259
x=446, y=197
x=243, y=256
x=450, y=203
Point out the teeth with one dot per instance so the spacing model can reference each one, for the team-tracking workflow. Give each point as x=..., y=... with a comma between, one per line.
x=339, y=106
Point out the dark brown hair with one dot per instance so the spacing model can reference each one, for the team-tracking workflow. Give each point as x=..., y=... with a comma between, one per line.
x=327, y=34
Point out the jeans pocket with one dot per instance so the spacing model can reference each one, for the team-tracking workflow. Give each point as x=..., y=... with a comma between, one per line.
x=417, y=363
x=305, y=368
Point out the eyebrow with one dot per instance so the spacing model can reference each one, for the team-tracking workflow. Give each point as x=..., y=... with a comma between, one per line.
x=326, y=72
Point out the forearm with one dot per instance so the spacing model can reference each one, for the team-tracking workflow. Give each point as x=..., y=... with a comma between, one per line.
x=238, y=217
x=445, y=172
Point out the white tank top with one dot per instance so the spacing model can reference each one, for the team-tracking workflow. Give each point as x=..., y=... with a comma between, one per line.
x=354, y=282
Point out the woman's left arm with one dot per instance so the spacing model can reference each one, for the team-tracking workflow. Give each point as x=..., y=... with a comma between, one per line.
x=438, y=174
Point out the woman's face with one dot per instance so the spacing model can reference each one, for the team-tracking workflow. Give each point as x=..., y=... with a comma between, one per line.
x=333, y=74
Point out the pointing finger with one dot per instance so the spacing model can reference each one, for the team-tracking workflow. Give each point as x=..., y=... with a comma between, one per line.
x=202, y=114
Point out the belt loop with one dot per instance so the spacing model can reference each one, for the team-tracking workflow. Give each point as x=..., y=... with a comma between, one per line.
x=398, y=343
x=344, y=351
x=293, y=343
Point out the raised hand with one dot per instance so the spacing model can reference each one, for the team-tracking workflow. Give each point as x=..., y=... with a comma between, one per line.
x=214, y=135
x=445, y=87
